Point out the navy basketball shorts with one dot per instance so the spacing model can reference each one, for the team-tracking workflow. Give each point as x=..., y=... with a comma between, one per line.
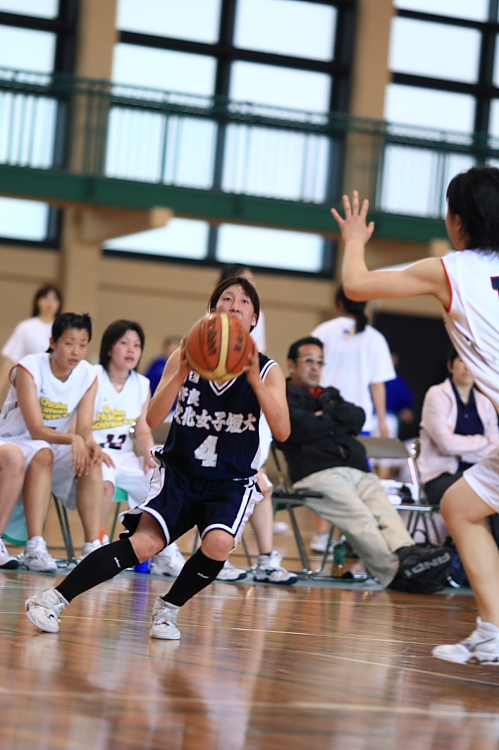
x=179, y=502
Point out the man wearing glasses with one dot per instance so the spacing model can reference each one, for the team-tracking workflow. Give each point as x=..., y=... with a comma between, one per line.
x=323, y=455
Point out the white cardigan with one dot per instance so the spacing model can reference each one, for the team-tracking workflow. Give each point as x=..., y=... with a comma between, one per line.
x=441, y=448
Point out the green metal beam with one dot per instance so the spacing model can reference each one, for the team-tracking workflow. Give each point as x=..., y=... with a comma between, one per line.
x=215, y=206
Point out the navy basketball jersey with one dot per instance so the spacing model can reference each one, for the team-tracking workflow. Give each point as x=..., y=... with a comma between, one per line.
x=214, y=432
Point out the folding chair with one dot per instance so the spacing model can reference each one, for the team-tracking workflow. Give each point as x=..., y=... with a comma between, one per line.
x=62, y=515
x=419, y=511
x=17, y=533
x=285, y=498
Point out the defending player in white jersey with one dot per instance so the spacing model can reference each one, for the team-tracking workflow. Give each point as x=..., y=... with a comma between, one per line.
x=121, y=404
x=206, y=476
x=466, y=283
x=47, y=392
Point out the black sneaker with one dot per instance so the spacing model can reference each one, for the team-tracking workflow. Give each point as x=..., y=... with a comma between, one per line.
x=422, y=570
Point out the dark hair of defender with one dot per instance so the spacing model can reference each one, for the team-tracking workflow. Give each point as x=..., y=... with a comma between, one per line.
x=113, y=333
x=294, y=349
x=236, y=281
x=43, y=292
x=356, y=309
x=68, y=320
x=474, y=197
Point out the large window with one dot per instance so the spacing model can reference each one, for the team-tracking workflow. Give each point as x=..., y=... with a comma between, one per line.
x=36, y=36
x=183, y=238
x=445, y=76
x=194, y=20
x=282, y=57
x=286, y=27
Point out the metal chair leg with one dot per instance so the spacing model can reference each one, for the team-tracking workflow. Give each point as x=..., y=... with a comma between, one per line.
x=62, y=515
x=435, y=529
x=326, y=552
x=305, y=562
x=246, y=552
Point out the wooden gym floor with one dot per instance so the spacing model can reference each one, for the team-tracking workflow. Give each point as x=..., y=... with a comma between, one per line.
x=259, y=667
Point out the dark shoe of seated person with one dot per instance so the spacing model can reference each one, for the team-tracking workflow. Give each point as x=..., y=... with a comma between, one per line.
x=422, y=570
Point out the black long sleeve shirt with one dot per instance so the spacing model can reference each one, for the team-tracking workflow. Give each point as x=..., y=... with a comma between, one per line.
x=322, y=441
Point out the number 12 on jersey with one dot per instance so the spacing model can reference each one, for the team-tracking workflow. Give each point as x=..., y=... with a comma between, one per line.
x=206, y=452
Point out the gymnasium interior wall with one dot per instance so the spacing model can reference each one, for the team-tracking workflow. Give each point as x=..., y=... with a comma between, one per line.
x=165, y=297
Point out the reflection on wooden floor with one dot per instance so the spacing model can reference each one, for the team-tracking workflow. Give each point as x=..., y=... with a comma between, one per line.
x=258, y=667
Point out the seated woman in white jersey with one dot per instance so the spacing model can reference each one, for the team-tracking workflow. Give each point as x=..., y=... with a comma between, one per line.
x=121, y=403
x=31, y=336
x=48, y=391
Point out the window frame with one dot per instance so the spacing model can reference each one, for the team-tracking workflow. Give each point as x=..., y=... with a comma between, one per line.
x=225, y=53
x=64, y=26
x=484, y=90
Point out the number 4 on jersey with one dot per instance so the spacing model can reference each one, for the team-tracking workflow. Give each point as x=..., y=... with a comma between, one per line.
x=206, y=452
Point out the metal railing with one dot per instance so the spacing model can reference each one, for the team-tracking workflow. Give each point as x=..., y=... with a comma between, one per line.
x=99, y=128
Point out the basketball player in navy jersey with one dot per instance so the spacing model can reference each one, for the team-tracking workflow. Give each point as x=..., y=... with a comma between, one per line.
x=206, y=476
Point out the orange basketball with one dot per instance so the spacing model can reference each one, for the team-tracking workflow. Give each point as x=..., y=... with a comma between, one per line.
x=218, y=347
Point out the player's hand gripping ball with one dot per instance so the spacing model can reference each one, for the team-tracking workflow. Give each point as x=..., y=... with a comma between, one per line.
x=218, y=347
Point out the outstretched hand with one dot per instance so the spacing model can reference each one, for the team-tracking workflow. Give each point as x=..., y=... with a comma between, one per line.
x=354, y=226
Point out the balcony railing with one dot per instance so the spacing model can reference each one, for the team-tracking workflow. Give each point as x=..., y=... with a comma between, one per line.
x=98, y=128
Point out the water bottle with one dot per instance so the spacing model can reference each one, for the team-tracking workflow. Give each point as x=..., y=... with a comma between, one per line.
x=338, y=559
x=143, y=567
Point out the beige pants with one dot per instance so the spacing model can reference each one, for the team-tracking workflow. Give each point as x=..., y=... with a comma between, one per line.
x=356, y=503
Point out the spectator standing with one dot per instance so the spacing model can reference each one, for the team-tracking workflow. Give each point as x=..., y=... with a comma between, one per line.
x=357, y=360
x=32, y=336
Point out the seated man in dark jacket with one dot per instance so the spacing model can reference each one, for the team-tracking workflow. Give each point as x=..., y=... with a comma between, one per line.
x=323, y=455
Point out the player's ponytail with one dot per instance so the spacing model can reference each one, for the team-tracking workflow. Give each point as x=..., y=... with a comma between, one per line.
x=355, y=309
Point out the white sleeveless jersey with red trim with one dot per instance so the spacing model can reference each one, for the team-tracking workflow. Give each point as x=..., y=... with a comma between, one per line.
x=116, y=412
x=214, y=433
x=472, y=320
x=58, y=399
